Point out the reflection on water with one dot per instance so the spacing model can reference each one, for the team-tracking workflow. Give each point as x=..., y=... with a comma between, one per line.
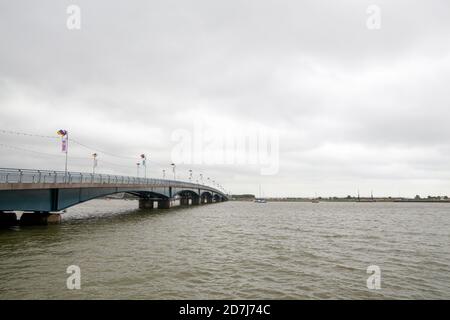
x=232, y=250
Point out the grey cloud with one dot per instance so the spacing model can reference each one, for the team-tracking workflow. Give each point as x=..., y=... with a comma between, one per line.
x=138, y=70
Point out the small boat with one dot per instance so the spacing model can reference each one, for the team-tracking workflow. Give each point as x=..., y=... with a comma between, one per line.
x=315, y=199
x=260, y=199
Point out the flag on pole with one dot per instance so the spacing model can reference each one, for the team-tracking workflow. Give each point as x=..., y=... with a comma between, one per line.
x=64, y=138
x=95, y=159
x=64, y=144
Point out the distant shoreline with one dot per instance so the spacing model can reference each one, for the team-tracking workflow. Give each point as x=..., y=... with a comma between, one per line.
x=246, y=198
x=402, y=200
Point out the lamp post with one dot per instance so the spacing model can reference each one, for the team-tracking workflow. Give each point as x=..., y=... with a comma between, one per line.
x=174, y=171
x=190, y=175
x=164, y=174
x=137, y=169
x=94, y=165
x=201, y=178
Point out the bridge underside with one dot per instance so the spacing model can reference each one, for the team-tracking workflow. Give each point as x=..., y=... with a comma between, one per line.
x=39, y=203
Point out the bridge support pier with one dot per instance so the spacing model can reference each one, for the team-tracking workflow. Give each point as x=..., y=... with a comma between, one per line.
x=146, y=203
x=7, y=219
x=39, y=218
x=164, y=204
x=195, y=201
x=184, y=201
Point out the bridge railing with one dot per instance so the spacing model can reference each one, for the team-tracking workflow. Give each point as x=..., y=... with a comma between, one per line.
x=46, y=176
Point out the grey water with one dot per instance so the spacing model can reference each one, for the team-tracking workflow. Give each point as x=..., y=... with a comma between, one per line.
x=232, y=250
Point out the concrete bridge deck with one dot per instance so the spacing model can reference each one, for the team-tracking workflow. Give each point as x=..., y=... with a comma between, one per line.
x=39, y=193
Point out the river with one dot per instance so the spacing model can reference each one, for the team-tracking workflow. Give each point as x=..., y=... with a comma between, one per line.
x=232, y=250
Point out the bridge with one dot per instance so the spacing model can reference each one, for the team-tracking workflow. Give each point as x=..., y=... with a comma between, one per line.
x=43, y=194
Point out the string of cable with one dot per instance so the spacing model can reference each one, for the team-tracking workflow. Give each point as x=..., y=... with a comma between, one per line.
x=112, y=154
x=6, y=146
x=72, y=140
x=26, y=134
x=17, y=133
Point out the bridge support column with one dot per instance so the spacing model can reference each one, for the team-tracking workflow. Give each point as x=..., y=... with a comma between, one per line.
x=164, y=204
x=195, y=201
x=184, y=201
x=146, y=203
x=7, y=219
x=39, y=218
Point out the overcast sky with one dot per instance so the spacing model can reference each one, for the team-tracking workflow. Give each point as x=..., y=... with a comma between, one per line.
x=353, y=108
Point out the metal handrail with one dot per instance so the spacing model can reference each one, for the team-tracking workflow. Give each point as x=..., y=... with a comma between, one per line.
x=8, y=175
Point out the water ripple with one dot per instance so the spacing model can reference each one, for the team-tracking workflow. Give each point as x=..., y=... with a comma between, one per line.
x=233, y=250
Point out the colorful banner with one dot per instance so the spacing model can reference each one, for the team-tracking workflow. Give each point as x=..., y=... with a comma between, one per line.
x=64, y=144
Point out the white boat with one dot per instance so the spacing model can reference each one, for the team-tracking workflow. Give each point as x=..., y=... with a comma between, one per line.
x=260, y=199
